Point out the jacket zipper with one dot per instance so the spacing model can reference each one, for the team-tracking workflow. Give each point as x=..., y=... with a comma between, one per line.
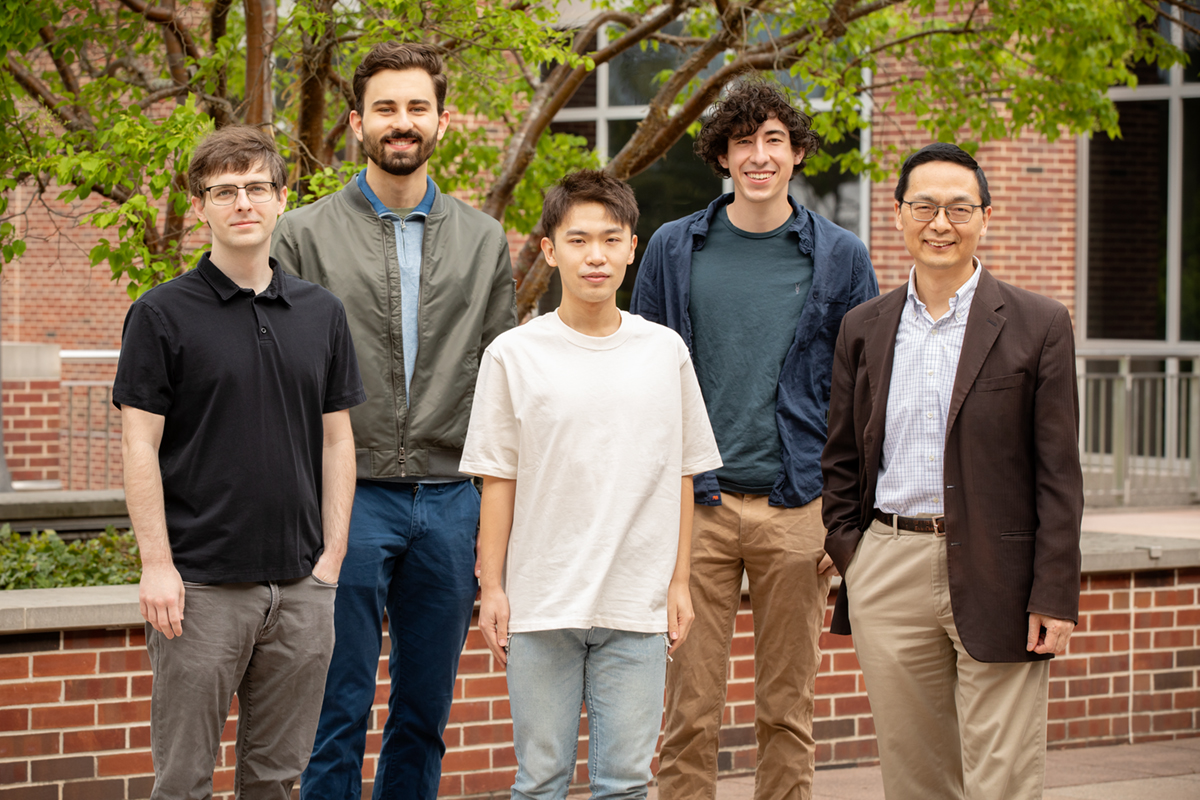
x=392, y=347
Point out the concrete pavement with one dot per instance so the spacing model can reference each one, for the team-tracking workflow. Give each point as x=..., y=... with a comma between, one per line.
x=1158, y=771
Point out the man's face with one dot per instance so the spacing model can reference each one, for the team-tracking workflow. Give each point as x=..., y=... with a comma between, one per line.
x=761, y=163
x=591, y=251
x=243, y=223
x=399, y=126
x=941, y=245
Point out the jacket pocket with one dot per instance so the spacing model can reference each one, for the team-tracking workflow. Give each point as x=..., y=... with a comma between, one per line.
x=1002, y=382
x=1017, y=536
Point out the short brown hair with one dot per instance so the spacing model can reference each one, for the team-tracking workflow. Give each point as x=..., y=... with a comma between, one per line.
x=235, y=148
x=589, y=186
x=748, y=105
x=400, y=56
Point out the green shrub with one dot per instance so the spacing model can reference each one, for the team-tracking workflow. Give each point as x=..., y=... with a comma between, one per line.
x=44, y=561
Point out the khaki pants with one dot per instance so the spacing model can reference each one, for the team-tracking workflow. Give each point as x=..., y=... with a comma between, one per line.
x=779, y=550
x=948, y=726
x=268, y=642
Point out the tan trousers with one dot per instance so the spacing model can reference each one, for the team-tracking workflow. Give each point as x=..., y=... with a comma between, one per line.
x=779, y=550
x=948, y=726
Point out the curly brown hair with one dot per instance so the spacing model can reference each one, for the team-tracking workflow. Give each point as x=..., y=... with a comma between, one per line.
x=748, y=105
x=400, y=56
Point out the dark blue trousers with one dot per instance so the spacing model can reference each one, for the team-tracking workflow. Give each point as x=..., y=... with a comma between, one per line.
x=411, y=552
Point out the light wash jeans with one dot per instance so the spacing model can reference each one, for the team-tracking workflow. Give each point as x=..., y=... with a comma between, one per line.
x=620, y=675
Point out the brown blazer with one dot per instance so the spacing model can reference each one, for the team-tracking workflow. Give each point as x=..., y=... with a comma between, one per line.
x=1014, y=488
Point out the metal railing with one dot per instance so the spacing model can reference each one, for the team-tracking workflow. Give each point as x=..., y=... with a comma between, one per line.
x=90, y=429
x=1139, y=437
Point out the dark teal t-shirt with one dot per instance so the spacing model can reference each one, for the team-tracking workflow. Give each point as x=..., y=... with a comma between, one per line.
x=747, y=292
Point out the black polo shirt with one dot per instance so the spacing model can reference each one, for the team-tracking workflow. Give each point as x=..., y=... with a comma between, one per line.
x=242, y=381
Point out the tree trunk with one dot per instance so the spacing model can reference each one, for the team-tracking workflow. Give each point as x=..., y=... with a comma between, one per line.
x=260, y=42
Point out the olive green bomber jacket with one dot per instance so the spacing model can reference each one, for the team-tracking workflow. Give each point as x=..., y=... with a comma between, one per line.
x=467, y=300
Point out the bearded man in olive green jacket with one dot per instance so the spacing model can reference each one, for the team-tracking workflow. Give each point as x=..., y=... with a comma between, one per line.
x=427, y=284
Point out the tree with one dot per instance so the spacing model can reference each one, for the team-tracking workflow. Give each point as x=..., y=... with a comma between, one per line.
x=106, y=97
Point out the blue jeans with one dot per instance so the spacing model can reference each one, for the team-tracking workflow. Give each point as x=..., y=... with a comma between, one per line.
x=621, y=676
x=411, y=551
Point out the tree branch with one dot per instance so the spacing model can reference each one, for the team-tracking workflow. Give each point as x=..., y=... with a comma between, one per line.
x=169, y=18
x=36, y=88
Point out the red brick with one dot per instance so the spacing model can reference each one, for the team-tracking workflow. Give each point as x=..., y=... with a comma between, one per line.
x=483, y=687
x=95, y=688
x=1108, y=706
x=14, y=668
x=93, y=639
x=1099, y=665
x=118, y=713
x=1174, y=597
x=1093, y=601
x=857, y=750
x=1108, y=622
x=1149, y=701
x=63, y=769
x=30, y=793
x=1089, y=728
x=112, y=789
x=13, y=772
x=1178, y=721
x=466, y=760
x=64, y=716
x=852, y=706
x=480, y=782
x=836, y=684
x=1154, y=579
x=139, y=736
x=28, y=744
x=127, y=763
x=23, y=694
x=846, y=662
x=1089, y=644
x=1068, y=667
x=64, y=664
x=140, y=686
x=14, y=719
x=125, y=661
x=1153, y=661
x=1089, y=686
x=1175, y=638
x=1154, y=619
x=93, y=740
x=450, y=786
x=1187, y=699
x=1067, y=709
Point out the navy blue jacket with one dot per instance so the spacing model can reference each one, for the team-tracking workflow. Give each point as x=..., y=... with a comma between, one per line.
x=842, y=278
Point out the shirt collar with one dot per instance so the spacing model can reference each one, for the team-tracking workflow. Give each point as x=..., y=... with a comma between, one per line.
x=423, y=208
x=227, y=289
x=959, y=303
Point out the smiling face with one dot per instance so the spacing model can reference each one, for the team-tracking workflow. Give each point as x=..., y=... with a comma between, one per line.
x=591, y=251
x=761, y=163
x=940, y=245
x=399, y=127
x=242, y=225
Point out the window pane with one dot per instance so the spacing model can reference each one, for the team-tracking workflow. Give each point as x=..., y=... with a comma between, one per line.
x=1127, y=226
x=674, y=186
x=1189, y=300
x=631, y=75
x=1191, y=45
x=584, y=128
x=585, y=95
x=832, y=194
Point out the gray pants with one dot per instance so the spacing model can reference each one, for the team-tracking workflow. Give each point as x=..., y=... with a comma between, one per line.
x=269, y=643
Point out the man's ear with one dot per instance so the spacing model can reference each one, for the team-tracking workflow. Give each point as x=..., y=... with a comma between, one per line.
x=548, y=251
x=198, y=207
x=356, y=124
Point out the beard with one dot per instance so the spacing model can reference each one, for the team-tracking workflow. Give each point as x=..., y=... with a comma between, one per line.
x=395, y=163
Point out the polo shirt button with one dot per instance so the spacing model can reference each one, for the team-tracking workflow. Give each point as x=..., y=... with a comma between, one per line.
x=262, y=330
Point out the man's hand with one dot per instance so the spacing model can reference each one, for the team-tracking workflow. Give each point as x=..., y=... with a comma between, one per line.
x=160, y=599
x=679, y=613
x=327, y=568
x=826, y=565
x=493, y=621
x=1054, y=640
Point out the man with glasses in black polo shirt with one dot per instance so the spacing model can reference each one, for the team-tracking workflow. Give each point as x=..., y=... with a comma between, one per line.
x=234, y=386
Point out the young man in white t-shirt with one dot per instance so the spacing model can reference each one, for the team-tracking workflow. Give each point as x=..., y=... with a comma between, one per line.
x=586, y=428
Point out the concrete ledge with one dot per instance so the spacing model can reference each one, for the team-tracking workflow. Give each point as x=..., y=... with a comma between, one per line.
x=1122, y=552
x=24, y=610
x=62, y=504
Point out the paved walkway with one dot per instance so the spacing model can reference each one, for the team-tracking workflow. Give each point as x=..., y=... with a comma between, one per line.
x=1158, y=771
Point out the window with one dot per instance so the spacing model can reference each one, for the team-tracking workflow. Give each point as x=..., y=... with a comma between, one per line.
x=606, y=110
x=1139, y=255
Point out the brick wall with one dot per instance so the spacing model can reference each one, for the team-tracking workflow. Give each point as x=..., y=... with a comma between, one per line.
x=1030, y=240
x=31, y=428
x=90, y=453
x=74, y=708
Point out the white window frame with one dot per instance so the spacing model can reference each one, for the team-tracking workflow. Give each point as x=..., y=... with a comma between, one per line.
x=603, y=113
x=1175, y=91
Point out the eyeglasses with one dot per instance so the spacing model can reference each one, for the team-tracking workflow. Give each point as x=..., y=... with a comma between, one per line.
x=224, y=194
x=927, y=212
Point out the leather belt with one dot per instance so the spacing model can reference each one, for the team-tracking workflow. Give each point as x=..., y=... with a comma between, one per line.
x=918, y=524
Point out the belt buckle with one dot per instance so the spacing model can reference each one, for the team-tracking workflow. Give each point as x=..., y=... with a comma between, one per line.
x=939, y=524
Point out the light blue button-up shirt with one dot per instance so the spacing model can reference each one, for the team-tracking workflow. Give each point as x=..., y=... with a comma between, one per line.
x=410, y=241
x=924, y=366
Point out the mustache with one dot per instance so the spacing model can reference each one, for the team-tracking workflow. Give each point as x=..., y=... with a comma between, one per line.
x=414, y=135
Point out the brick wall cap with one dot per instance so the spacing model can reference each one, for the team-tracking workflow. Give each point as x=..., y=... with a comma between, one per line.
x=62, y=503
x=1123, y=552
x=68, y=609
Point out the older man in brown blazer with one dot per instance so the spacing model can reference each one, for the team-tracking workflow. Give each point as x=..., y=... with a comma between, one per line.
x=953, y=498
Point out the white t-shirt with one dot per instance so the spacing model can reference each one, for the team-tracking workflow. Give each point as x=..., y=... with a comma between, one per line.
x=597, y=432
